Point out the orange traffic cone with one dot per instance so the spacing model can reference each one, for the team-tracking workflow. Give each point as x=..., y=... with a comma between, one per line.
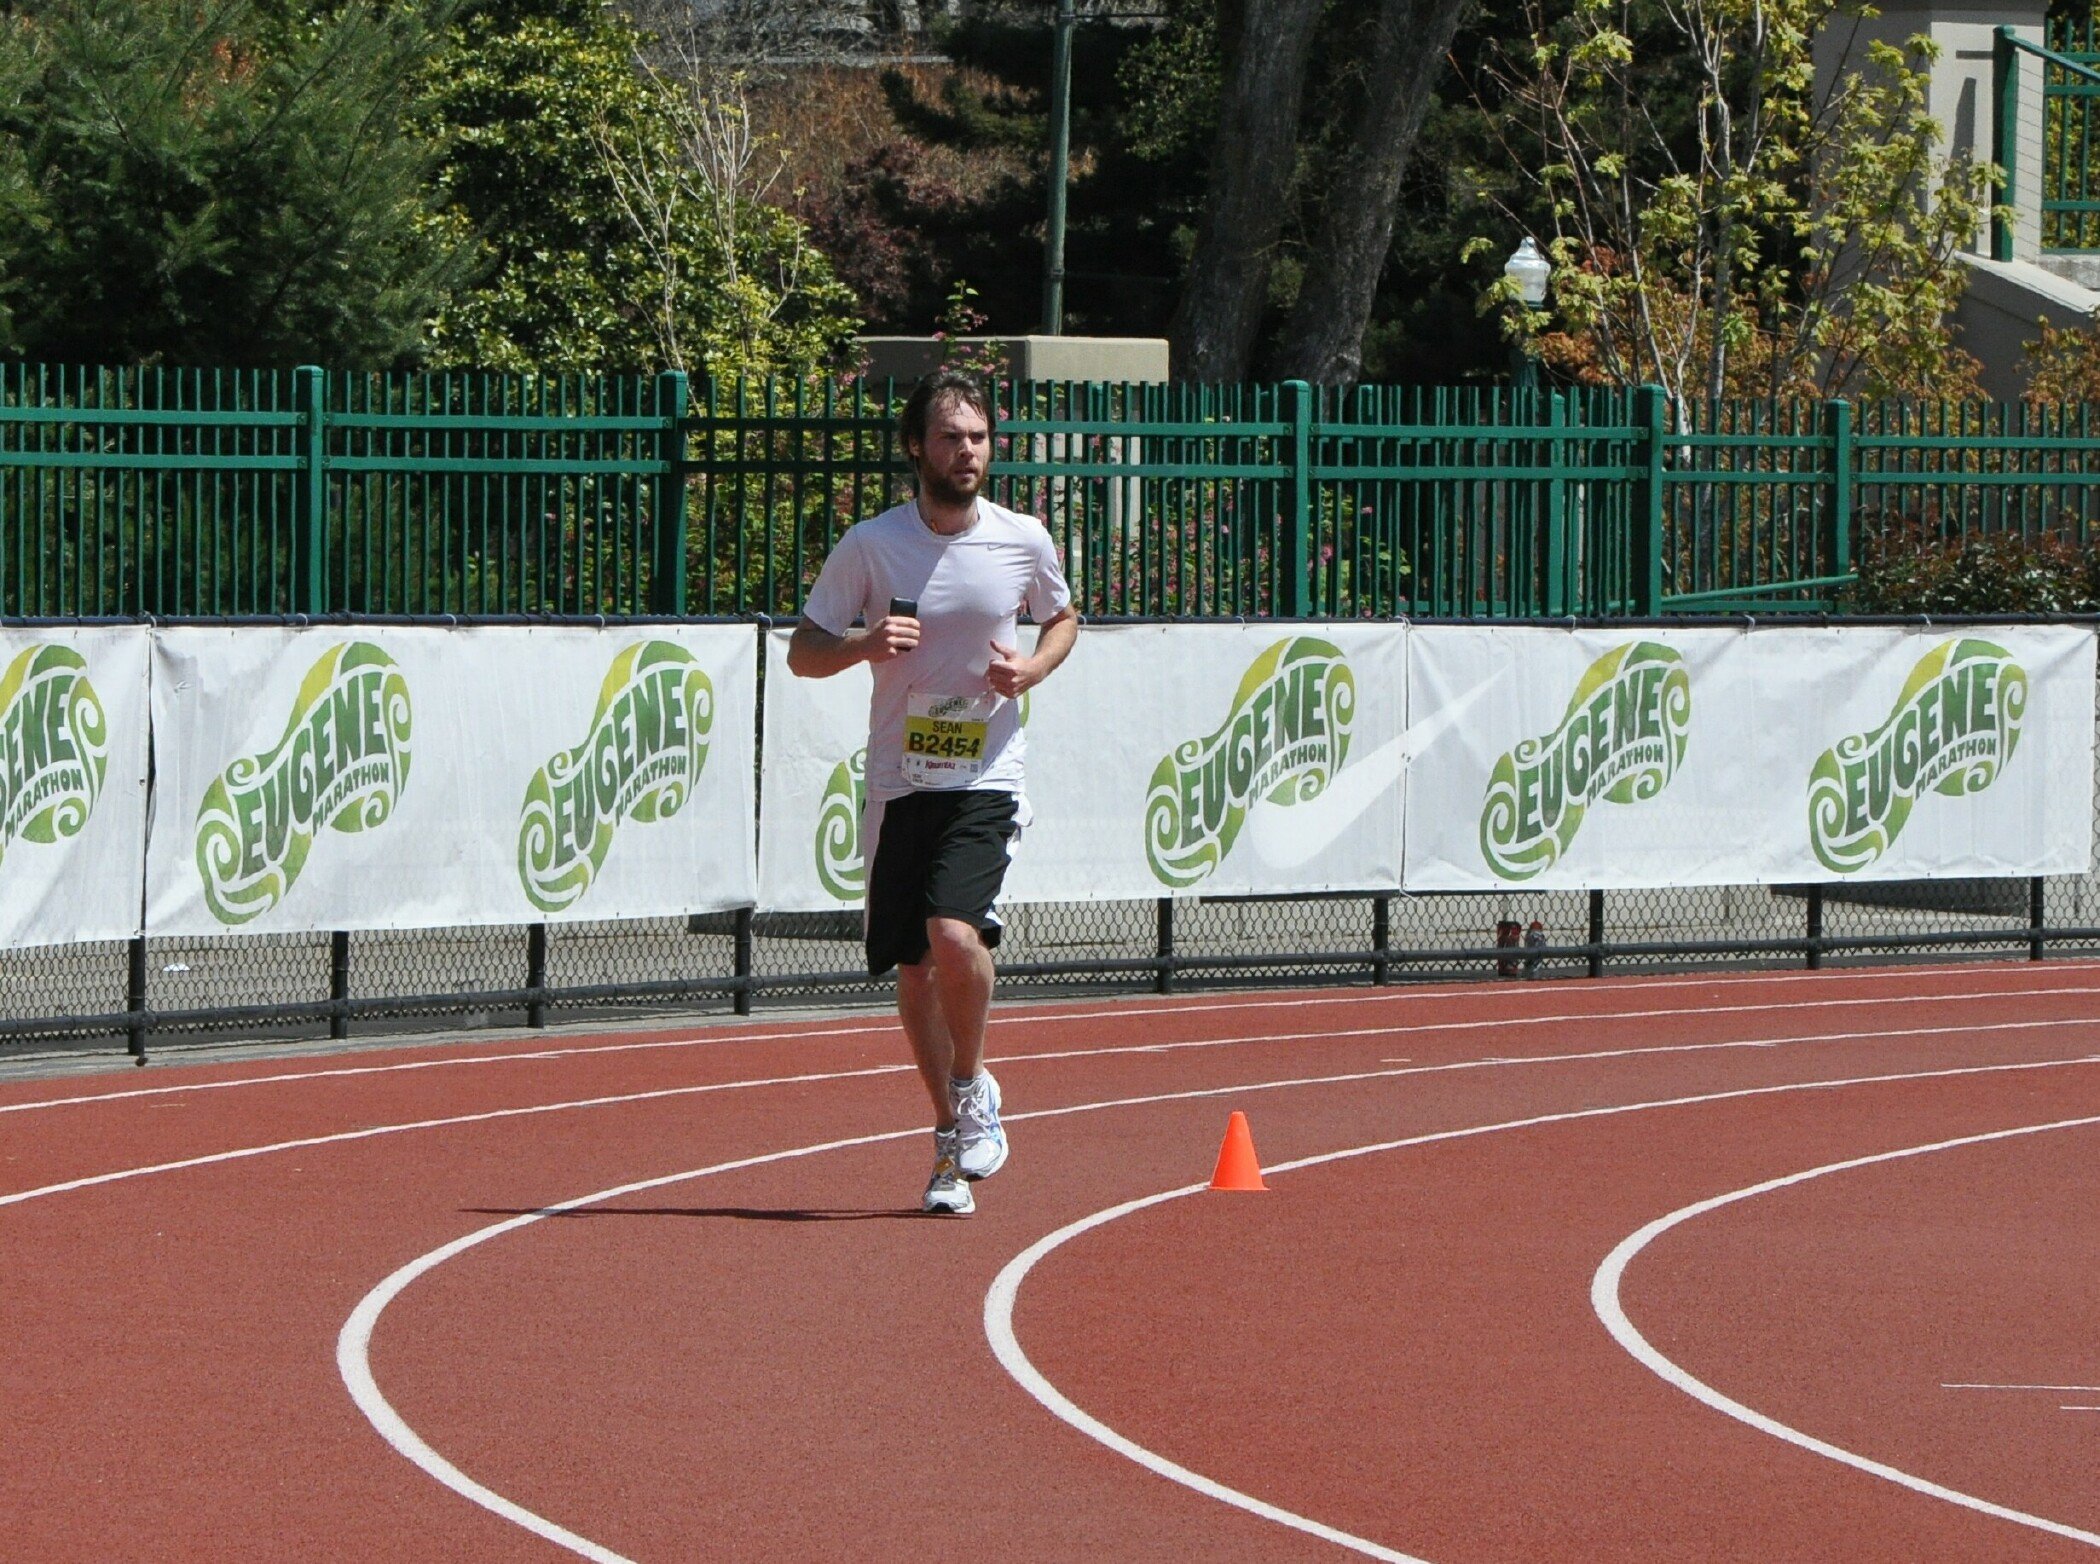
x=1237, y=1168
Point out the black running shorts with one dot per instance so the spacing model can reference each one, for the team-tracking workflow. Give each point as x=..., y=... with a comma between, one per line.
x=937, y=854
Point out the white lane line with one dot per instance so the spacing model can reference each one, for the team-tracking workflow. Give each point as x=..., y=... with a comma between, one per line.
x=2056, y=1389
x=370, y=1132
x=353, y=1342
x=999, y=1331
x=999, y=1300
x=1604, y=1298
x=887, y=1027
x=353, y=1347
x=206, y=1159
x=2078, y=1409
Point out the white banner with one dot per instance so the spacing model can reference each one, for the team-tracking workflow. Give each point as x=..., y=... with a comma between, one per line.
x=816, y=750
x=1207, y=759
x=73, y=756
x=1938, y=753
x=1217, y=760
x=375, y=778
x=1636, y=758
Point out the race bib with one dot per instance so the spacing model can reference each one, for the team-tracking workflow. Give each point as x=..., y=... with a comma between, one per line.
x=945, y=738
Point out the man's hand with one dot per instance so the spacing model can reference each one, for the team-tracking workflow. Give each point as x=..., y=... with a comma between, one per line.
x=815, y=653
x=889, y=637
x=1010, y=673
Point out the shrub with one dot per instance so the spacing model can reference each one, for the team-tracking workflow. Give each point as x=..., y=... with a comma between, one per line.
x=1907, y=567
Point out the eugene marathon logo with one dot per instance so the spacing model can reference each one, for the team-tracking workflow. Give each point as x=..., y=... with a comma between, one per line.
x=1283, y=740
x=341, y=765
x=1620, y=742
x=54, y=746
x=640, y=761
x=839, y=865
x=1953, y=729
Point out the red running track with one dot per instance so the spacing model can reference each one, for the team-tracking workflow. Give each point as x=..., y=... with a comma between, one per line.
x=383, y=1305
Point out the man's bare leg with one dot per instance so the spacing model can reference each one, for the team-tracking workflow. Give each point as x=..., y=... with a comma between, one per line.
x=962, y=980
x=919, y=1008
x=943, y=1001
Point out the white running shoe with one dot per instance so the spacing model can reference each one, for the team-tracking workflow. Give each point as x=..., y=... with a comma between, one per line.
x=946, y=1193
x=982, y=1149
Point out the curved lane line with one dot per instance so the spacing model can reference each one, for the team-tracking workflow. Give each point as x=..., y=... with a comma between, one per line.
x=353, y=1346
x=414, y=1449
x=1604, y=1298
x=999, y=1331
x=1006, y=1286
x=1559, y=1019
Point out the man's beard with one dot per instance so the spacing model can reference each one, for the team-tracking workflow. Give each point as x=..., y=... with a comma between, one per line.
x=943, y=490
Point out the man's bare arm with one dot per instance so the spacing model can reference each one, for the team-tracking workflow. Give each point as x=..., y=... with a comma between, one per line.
x=1011, y=674
x=815, y=653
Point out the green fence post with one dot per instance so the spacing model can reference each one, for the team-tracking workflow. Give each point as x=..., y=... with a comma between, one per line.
x=1294, y=569
x=1557, y=552
x=1645, y=551
x=2005, y=132
x=310, y=545
x=1837, y=421
x=667, y=510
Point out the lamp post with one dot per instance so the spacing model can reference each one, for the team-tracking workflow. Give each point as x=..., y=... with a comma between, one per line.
x=1530, y=272
x=1060, y=170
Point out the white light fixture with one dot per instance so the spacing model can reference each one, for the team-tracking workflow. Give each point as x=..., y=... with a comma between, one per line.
x=1530, y=271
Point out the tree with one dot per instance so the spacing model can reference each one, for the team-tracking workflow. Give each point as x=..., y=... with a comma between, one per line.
x=20, y=206
x=950, y=182
x=2065, y=364
x=1265, y=45
x=603, y=247
x=1759, y=241
x=171, y=190
x=1404, y=55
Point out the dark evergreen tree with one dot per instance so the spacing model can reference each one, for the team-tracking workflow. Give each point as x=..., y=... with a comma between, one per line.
x=213, y=185
x=902, y=233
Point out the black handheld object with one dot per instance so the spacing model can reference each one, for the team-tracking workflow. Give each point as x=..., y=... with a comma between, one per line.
x=904, y=608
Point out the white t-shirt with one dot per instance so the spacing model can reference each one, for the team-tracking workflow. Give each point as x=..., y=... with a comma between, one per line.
x=970, y=587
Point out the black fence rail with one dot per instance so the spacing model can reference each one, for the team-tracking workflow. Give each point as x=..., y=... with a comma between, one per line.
x=164, y=992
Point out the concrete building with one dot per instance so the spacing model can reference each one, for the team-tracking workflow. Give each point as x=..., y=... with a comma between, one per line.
x=2006, y=298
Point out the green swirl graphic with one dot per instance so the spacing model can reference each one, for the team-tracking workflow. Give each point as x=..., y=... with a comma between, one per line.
x=640, y=761
x=341, y=765
x=1953, y=729
x=1620, y=741
x=54, y=746
x=1283, y=740
x=839, y=865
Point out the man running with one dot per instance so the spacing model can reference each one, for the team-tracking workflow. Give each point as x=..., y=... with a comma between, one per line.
x=938, y=582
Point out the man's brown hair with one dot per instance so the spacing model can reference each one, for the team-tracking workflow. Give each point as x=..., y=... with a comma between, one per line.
x=918, y=407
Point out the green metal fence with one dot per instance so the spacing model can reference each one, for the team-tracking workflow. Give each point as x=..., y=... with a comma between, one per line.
x=2054, y=156
x=126, y=492
x=1207, y=500
x=147, y=491
x=2070, y=193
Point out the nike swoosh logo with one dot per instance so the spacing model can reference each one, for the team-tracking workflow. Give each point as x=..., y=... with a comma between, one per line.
x=1285, y=836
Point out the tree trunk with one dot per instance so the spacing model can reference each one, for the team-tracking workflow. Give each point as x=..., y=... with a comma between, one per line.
x=1266, y=44
x=1324, y=340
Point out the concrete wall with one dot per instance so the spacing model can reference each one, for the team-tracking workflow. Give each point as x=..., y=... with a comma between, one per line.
x=1960, y=93
x=2000, y=314
x=1028, y=358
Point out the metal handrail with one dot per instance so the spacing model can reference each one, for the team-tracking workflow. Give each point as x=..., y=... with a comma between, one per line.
x=2006, y=122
